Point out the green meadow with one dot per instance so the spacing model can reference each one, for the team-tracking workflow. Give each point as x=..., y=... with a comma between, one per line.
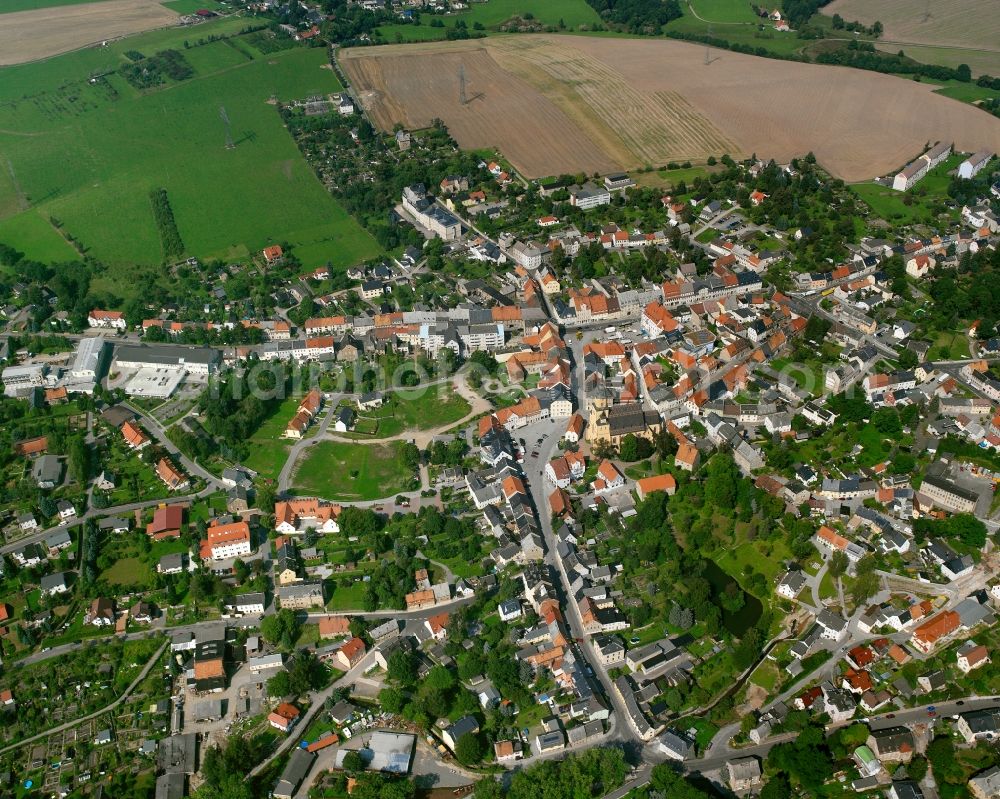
x=87, y=155
x=570, y=13
x=8, y=6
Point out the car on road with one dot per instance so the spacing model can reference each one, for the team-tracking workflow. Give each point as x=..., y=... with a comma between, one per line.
x=931, y=707
x=534, y=453
x=931, y=712
x=960, y=702
x=891, y=716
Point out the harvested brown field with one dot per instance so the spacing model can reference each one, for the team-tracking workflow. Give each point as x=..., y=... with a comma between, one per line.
x=556, y=104
x=34, y=35
x=530, y=130
x=953, y=32
x=957, y=23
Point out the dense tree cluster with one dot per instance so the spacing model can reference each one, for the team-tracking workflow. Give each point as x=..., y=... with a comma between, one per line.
x=806, y=761
x=145, y=73
x=232, y=409
x=582, y=775
x=970, y=292
x=224, y=769
x=638, y=16
x=163, y=215
x=799, y=12
x=963, y=527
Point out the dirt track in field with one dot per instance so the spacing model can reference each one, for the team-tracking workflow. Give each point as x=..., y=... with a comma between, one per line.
x=953, y=32
x=957, y=23
x=34, y=35
x=556, y=104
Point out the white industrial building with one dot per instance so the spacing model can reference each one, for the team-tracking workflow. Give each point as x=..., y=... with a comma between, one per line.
x=20, y=380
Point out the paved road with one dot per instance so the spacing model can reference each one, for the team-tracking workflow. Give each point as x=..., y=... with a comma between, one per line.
x=318, y=701
x=285, y=477
x=478, y=406
x=424, y=613
x=94, y=513
x=69, y=724
x=551, y=430
x=160, y=434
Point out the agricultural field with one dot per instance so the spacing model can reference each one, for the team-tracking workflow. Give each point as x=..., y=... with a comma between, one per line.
x=10, y=6
x=543, y=101
x=116, y=144
x=956, y=32
x=40, y=32
x=352, y=472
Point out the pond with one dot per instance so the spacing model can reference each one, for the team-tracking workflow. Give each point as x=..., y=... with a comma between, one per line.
x=746, y=617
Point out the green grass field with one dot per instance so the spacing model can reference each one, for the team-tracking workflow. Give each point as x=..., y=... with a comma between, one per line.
x=352, y=472
x=190, y=6
x=568, y=15
x=31, y=232
x=723, y=11
x=956, y=345
x=268, y=450
x=966, y=92
x=736, y=24
x=888, y=204
x=129, y=571
x=767, y=557
x=113, y=150
x=8, y=6
x=437, y=407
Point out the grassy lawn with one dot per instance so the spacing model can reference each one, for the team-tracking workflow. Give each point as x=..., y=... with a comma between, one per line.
x=352, y=472
x=136, y=479
x=30, y=5
x=128, y=571
x=951, y=345
x=268, y=450
x=913, y=206
x=766, y=557
x=875, y=448
x=268, y=458
x=766, y=675
x=418, y=409
x=350, y=597
x=725, y=11
x=705, y=732
x=808, y=376
x=116, y=144
x=827, y=587
x=32, y=232
x=888, y=204
x=668, y=178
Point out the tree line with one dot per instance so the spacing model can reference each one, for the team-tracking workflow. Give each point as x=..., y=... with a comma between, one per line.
x=163, y=215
